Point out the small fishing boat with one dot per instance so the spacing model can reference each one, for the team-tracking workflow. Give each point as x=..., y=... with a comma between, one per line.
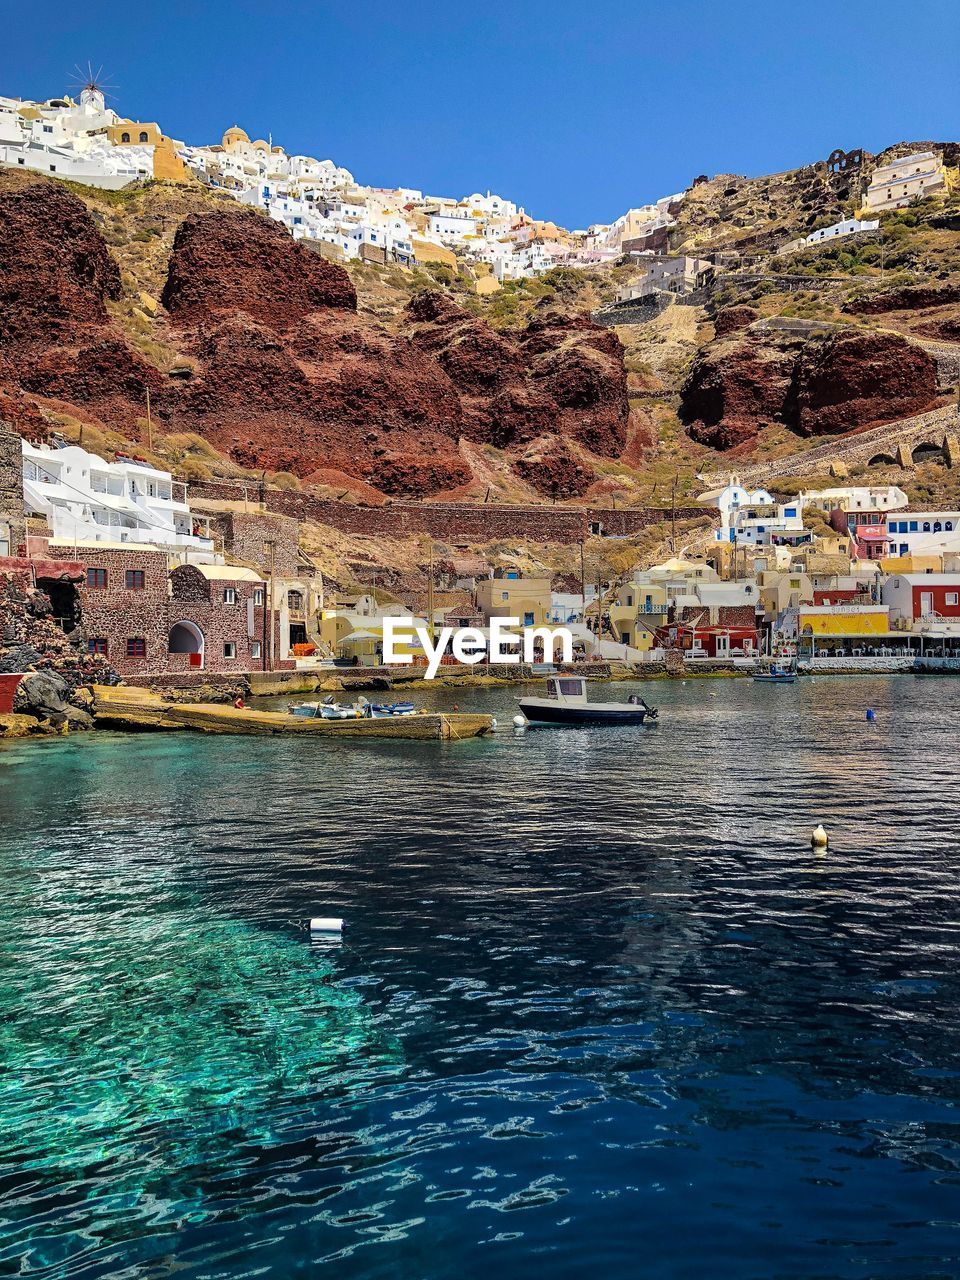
x=359, y=710
x=566, y=703
x=326, y=710
x=776, y=674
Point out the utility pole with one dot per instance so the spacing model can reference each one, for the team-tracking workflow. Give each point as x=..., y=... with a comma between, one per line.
x=430, y=596
x=583, y=586
x=673, y=516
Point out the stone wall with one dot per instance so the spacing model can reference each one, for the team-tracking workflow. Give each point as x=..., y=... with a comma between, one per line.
x=12, y=523
x=454, y=522
x=247, y=536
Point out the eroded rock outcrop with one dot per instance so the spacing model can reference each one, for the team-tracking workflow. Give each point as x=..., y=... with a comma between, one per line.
x=734, y=388
x=237, y=260
x=856, y=378
x=57, y=271
x=822, y=385
x=281, y=371
x=56, y=338
x=562, y=377
x=288, y=377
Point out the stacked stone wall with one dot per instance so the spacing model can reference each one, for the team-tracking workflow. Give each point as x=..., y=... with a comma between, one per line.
x=13, y=525
x=453, y=522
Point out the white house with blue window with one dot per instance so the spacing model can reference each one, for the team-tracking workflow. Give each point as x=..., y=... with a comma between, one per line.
x=923, y=532
x=752, y=518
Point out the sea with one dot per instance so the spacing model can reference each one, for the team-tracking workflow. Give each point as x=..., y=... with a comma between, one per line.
x=598, y=1009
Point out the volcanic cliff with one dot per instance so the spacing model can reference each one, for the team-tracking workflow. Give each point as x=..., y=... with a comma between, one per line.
x=823, y=384
x=277, y=369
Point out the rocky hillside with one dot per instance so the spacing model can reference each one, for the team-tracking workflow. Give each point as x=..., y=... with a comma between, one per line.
x=256, y=345
x=260, y=355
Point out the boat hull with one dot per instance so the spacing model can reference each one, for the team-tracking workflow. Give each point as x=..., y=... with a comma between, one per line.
x=542, y=712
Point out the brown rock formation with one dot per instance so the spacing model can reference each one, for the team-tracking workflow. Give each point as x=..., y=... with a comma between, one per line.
x=56, y=338
x=821, y=386
x=238, y=260
x=910, y=297
x=555, y=471
x=283, y=373
x=562, y=376
x=56, y=268
x=736, y=386
x=730, y=319
x=856, y=378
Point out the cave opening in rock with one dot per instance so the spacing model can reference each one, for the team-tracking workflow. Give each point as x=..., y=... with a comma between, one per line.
x=64, y=601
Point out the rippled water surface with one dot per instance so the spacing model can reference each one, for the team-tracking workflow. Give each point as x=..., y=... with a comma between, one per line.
x=599, y=1010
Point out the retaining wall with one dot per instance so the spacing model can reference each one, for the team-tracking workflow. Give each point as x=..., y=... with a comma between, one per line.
x=450, y=521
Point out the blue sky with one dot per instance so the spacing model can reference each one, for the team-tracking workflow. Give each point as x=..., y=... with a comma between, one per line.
x=576, y=110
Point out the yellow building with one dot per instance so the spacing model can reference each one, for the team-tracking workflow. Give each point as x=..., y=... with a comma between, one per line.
x=511, y=595
x=844, y=620
x=892, y=566
x=166, y=162
x=424, y=251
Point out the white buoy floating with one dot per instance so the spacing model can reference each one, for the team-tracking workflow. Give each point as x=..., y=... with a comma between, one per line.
x=326, y=925
x=519, y=722
x=819, y=838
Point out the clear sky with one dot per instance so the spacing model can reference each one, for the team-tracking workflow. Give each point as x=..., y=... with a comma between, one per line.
x=577, y=109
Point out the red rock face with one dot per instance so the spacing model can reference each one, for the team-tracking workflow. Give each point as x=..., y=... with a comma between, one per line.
x=911, y=297
x=56, y=339
x=237, y=260
x=818, y=387
x=856, y=378
x=555, y=472
x=563, y=376
x=730, y=319
x=286, y=375
x=56, y=268
x=735, y=387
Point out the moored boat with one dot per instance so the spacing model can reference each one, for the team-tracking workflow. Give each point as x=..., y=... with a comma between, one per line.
x=566, y=703
x=776, y=674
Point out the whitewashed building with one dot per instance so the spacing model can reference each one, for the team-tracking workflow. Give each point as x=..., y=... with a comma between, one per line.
x=84, y=498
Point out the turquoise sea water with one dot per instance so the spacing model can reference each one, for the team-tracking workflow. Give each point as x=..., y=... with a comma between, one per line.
x=598, y=1007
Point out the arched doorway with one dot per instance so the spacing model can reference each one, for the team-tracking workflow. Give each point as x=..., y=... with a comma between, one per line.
x=186, y=637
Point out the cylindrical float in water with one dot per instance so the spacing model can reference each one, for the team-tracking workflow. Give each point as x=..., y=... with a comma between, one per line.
x=326, y=924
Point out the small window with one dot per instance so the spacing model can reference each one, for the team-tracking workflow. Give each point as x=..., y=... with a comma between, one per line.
x=229, y=595
x=254, y=648
x=258, y=595
x=953, y=597
x=528, y=619
x=144, y=135
x=124, y=137
x=97, y=579
x=229, y=649
x=136, y=647
x=135, y=580
x=97, y=644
